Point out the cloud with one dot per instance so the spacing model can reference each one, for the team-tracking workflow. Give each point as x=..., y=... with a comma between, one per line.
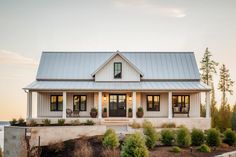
x=151, y=8
x=8, y=57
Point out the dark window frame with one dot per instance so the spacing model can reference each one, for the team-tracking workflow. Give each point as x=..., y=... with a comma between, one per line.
x=183, y=104
x=116, y=70
x=79, y=102
x=57, y=103
x=153, y=108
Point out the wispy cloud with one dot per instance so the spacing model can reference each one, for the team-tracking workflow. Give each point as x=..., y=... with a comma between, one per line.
x=151, y=8
x=8, y=57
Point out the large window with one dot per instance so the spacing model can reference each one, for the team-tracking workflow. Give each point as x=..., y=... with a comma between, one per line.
x=56, y=102
x=117, y=70
x=153, y=103
x=181, y=103
x=80, y=102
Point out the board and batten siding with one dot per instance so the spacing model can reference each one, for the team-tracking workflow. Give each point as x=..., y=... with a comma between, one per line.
x=43, y=107
x=107, y=72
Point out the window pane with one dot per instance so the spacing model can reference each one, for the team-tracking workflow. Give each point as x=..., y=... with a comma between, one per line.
x=113, y=102
x=83, y=103
x=175, y=101
x=60, y=102
x=76, y=103
x=156, y=103
x=149, y=102
x=117, y=70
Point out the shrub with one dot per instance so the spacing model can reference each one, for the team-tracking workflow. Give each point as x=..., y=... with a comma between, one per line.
x=135, y=125
x=110, y=139
x=204, y=148
x=75, y=122
x=229, y=137
x=21, y=121
x=175, y=149
x=168, y=125
x=130, y=110
x=105, y=109
x=61, y=122
x=150, y=134
x=32, y=123
x=167, y=137
x=134, y=145
x=213, y=137
x=140, y=109
x=183, y=137
x=46, y=122
x=13, y=122
x=197, y=137
x=89, y=122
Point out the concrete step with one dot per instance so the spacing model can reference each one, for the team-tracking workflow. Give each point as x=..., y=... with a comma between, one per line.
x=115, y=121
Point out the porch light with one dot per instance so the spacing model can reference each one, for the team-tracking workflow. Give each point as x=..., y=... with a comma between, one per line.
x=27, y=133
x=130, y=98
x=104, y=98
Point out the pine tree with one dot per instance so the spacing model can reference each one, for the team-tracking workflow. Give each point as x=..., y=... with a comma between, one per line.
x=225, y=86
x=233, y=118
x=214, y=109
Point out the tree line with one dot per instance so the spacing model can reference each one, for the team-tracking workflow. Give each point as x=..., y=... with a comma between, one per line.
x=225, y=116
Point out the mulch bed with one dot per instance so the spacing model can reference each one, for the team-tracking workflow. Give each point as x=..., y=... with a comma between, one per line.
x=93, y=147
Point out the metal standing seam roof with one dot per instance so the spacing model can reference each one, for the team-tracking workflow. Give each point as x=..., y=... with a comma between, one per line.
x=143, y=85
x=153, y=65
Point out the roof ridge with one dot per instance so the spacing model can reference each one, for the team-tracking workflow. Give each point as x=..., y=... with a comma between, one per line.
x=116, y=52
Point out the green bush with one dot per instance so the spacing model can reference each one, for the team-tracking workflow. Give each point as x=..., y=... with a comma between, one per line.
x=229, y=137
x=140, y=109
x=134, y=146
x=183, y=137
x=130, y=110
x=110, y=139
x=89, y=122
x=150, y=134
x=46, y=122
x=168, y=125
x=204, y=148
x=13, y=122
x=213, y=137
x=167, y=137
x=75, y=122
x=175, y=149
x=197, y=137
x=32, y=123
x=61, y=122
x=21, y=122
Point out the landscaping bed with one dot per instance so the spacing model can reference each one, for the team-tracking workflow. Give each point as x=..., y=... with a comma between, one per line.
x=93, y=147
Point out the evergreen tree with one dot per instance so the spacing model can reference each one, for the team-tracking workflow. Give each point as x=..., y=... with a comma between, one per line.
x=224, y=117
x=233, y=119
x=214, y=109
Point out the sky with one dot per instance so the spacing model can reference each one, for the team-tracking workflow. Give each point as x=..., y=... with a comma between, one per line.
x=28, y=27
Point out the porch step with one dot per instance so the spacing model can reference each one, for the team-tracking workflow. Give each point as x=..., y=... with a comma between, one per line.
x=115, y=121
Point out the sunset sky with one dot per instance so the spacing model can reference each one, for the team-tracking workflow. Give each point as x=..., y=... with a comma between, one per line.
x=28, y=27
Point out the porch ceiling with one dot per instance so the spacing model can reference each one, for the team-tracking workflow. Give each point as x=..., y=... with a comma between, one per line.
x=137, y=86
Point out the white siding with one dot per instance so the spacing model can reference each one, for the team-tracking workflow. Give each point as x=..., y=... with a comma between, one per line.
x=44, y=104
x=195, y=100
x=107, y=72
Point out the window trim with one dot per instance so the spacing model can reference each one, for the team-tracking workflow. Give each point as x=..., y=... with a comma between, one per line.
x=189, y=102
x=57, y=105
x=115, y=70
x=80, y=102
x=159, y=104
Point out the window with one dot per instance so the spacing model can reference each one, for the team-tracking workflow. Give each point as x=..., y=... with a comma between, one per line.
x=80, y=102
x=117, y=70
x=56, y=102
x=181, y=103
x=153, y=103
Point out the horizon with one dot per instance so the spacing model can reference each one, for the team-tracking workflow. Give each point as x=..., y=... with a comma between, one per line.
x=28, y=28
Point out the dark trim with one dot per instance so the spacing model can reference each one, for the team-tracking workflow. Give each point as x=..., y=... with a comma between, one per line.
x=57, y=105
x=115, y=70
x=189, y=104
x=80, y=102
x=117, y=100
x=153, y=109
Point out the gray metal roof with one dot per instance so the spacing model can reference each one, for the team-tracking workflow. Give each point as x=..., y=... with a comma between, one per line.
x=143, y=85
x=153, y=65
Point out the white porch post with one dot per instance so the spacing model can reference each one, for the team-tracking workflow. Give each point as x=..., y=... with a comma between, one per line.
x=134, y=104
x=64, y=106
x=99, y=105
x=170, y=105
x=208, y=105
x=29, y=104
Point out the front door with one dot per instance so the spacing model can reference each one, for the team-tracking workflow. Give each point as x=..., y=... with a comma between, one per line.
x=117, y=105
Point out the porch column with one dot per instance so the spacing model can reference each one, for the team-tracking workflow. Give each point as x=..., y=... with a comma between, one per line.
x=134, y=104
x=170, y=105
x=29, y=104
x=99, y=105
x=64, y=106
x=208, y=114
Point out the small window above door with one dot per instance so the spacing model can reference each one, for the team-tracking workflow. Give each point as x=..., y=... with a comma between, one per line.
x=117, y=70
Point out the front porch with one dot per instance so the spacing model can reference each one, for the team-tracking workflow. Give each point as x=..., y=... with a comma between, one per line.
x=158, y=106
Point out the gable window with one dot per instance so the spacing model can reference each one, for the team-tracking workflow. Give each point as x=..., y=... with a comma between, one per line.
x=56, y=102
x=181, y=103
x=80, y=103
x=153, y=103
x=117, y=70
